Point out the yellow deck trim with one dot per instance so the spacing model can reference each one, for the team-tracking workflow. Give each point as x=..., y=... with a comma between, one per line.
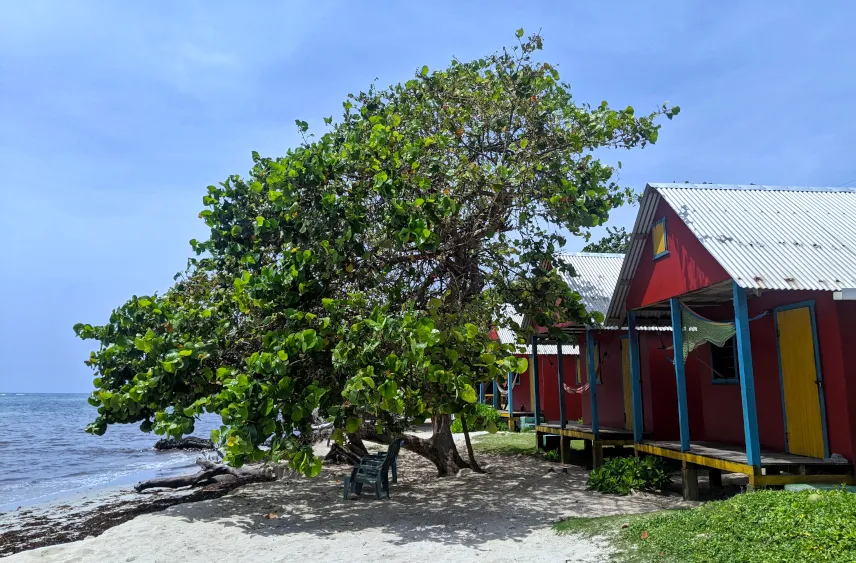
x=766, y=480
x=579, y=435
x=704, y=461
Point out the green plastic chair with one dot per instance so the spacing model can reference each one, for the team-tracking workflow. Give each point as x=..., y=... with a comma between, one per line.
x=374, y=470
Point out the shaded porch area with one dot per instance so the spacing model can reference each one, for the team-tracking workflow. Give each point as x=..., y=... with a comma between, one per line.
x=514, y=418
x=593, y=443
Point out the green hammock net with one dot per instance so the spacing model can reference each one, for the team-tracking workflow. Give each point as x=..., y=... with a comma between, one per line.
x=698, y=330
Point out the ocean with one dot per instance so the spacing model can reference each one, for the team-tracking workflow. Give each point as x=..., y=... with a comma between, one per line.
x=46, y=455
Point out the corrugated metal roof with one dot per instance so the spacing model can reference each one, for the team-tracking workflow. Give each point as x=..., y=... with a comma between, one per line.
x=507, y=336
x=595, y=279
x=765, y=237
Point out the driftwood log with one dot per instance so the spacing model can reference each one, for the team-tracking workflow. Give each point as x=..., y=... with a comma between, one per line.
x=186, y=443
x=210, y=469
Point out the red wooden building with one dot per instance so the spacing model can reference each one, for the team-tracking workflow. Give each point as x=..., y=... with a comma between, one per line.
x=523, y=385
x=765, y=273
x=607, y=409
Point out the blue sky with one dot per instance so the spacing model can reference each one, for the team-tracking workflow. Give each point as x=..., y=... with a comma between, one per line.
x=114, y=116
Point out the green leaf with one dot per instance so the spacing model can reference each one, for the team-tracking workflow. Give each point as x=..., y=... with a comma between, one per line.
x=489, y=359
x=169, y=367
x=491, y=427
x=519, y=33
x=425, y=70
x=185, y=352
x=522, y=365
x=352, y=425
x=472, y=330
x=260, y=221
x=468, y=394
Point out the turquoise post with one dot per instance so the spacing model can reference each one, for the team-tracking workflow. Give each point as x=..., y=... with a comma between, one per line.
x=635, y=376
x=747, y=376
x=481, y=393
x=592, y=381
x=680, y=376
x=495, y=395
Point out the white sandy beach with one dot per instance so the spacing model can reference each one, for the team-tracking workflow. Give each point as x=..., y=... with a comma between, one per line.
x=504, y=515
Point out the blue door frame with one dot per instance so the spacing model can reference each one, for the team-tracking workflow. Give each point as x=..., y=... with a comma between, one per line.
x=820, y=387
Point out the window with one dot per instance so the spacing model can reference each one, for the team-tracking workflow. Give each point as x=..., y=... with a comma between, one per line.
x=661, y=244
x=579, y=376
x=723, y=362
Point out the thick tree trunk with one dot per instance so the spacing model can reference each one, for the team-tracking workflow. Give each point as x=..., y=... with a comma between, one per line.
x=356, y=446
x=473, y=463
x=209, y=470
x=338, y=454
x=440, y=448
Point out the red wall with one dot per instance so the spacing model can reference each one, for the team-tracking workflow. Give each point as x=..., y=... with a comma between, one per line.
x=847, y=332
x=687, y=267
x=659, y=390
x=716, y=412
x=659, y=387
x=548, y=379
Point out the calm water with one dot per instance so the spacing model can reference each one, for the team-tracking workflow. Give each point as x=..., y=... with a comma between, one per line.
x=45, y=454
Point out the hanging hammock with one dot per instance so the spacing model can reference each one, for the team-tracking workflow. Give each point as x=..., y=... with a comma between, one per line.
x=697, y=329
x=577, y=390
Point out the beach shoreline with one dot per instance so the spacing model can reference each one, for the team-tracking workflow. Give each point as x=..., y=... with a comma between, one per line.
x=504, y=514
x=89, y=513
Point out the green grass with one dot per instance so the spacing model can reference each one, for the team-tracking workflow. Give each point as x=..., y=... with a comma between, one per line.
x=753, y=527
x=505, y=443
x=512, y=443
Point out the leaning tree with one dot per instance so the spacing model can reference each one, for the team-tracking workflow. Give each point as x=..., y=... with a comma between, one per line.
x=356, y=278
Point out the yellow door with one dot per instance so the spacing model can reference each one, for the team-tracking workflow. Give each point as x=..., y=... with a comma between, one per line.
x=799, y=382
x=625, y=378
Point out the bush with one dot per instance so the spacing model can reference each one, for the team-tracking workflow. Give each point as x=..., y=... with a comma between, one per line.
x=480, y=419
x=552, y=455
x=621, y=475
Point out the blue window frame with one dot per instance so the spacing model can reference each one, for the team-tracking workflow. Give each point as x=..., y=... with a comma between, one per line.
x=659, y=239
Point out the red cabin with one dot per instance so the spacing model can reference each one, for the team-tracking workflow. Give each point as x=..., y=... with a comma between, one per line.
x=754, y=282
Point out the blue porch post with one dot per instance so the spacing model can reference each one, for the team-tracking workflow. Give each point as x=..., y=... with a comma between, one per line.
x=511, y=400
x=680, y=376
x=495, y=395
x=592, y=381
x=747, y=376
x=562, y=421
x=536, y=406
x=481, y=393
x=635, y=376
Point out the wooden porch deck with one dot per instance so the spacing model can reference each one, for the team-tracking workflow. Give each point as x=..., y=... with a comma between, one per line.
x=777, y=468
x=608, y=436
